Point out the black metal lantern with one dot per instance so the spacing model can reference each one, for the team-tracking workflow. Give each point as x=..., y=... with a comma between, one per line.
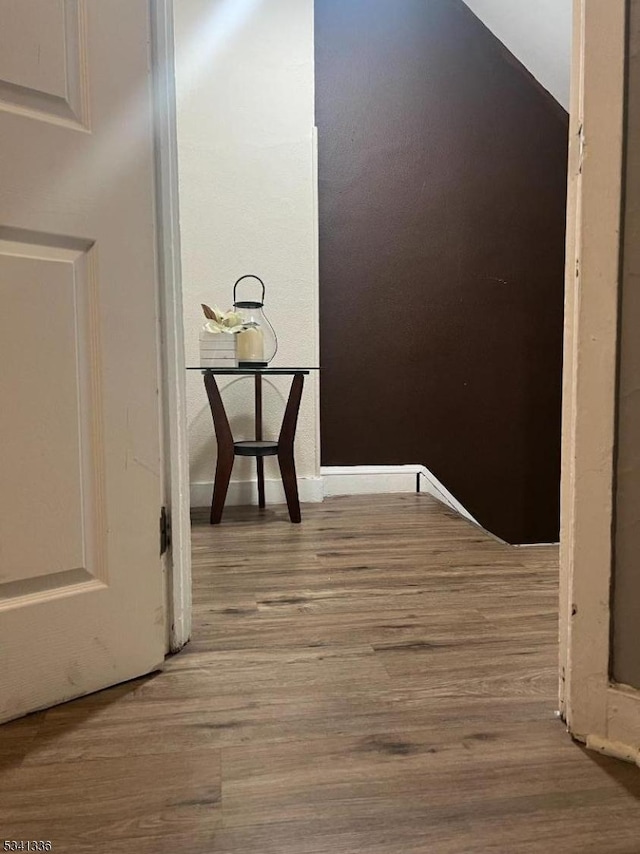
x=258, y=343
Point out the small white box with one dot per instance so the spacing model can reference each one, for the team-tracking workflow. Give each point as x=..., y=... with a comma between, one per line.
x=217, y=362
x=217, y=350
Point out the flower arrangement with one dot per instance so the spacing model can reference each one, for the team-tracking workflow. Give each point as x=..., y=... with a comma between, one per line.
x=227, y=322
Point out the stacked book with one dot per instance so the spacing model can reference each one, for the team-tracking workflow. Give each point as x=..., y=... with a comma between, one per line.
x=218, y=350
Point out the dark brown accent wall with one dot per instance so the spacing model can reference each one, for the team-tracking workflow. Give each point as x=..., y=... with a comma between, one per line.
x=442, y=169
x=625, y=651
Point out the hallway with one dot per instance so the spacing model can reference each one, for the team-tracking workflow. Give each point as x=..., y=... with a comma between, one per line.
x=378, y=680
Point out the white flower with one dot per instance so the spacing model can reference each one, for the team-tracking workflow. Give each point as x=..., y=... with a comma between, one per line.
x=226, y=322
x=231, y=320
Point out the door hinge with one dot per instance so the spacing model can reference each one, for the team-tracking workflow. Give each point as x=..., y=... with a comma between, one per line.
x=165, y=531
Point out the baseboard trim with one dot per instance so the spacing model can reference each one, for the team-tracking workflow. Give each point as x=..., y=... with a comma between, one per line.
x=345, y=480
x=368, y=480
x=337, y=480
x=242, y=492
x=534, y=545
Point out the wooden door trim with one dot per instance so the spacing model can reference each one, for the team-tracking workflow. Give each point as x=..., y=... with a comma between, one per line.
x=573, y=180
x=172, y=360
x=591, y=335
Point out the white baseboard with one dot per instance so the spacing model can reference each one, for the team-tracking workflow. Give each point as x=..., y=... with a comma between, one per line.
x=337, y=480
x=243, y=492
x=342, y=480
x=368, y=480
x=440, y=491
x=533, y=545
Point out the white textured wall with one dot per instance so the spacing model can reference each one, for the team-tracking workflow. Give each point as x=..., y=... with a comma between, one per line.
x=538, y=33
x=245, y=83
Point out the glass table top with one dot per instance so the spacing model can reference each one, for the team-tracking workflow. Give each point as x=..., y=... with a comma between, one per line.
x=269, y=371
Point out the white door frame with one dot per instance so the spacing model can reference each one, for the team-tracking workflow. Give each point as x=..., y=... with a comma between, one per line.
x=172, y=329
x=568, y=408
x=603, y=714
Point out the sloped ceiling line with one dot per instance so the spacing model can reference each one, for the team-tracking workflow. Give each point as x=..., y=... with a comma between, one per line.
x=538, y=34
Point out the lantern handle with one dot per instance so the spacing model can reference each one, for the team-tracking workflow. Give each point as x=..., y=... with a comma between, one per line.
x=248, y=276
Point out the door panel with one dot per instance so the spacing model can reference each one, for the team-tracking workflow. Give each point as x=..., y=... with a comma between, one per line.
x=42, y=59
x=81, y=598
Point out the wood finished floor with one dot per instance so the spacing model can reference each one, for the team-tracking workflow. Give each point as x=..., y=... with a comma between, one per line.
x=378, y=680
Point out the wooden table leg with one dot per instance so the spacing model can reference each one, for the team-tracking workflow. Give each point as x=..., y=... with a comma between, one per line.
x=258, y=420
x=285, y=447
x=225, y=447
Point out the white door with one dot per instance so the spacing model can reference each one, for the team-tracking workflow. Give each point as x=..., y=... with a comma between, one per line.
x=81, y=589
x=599, y=711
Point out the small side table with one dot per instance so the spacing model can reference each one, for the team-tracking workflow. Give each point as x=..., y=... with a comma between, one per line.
x=259, y=448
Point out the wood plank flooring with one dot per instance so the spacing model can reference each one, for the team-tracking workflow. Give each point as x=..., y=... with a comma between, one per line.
x=378, y=680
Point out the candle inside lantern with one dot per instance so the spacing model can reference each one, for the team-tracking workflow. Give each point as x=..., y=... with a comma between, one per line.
x=251, y=345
